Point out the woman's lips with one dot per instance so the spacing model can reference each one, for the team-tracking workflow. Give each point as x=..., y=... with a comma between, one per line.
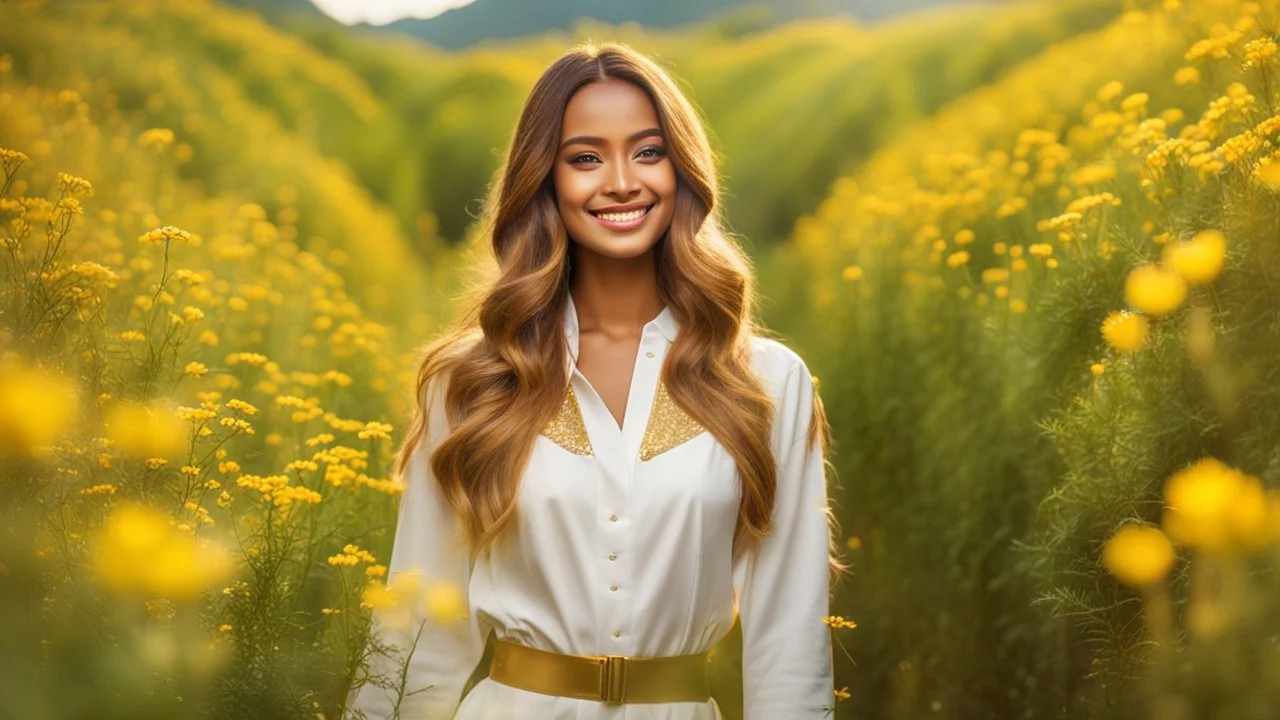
x=624, y=226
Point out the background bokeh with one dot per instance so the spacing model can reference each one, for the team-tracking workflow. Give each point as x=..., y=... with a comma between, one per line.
x=1029, y=250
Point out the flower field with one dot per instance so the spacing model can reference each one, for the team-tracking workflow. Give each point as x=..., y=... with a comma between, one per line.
x=1040, y=296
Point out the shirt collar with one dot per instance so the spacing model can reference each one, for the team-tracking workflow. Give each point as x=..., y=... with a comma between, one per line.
x=665, y=323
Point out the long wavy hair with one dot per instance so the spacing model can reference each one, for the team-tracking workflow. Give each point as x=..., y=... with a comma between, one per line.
x=505, y=356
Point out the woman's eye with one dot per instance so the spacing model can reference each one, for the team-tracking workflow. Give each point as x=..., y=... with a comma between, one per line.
x=657, y=151
x=580, y=158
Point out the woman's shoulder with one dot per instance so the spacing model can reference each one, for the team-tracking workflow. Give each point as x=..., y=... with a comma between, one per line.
x=776, y=363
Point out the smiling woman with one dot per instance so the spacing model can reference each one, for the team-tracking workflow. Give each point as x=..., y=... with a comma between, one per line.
x=608, y=457
x=615, y=189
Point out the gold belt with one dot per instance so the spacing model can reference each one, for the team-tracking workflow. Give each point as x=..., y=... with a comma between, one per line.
x=610, y=679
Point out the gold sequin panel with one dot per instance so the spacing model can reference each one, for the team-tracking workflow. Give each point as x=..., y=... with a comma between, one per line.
x=567, y=428
x=669, y=425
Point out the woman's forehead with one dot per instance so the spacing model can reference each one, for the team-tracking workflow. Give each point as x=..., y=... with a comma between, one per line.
x=608, y=109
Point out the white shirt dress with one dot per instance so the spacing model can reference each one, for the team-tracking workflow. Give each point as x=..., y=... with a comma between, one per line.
x=623, y=547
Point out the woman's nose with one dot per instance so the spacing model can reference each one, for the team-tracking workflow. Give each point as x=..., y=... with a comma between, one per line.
x=622, y=180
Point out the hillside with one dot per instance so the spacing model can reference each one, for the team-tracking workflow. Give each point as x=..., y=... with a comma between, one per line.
x=488, y=20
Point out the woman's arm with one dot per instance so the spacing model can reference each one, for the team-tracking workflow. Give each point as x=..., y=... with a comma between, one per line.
x=786, y=646
x=442, y=652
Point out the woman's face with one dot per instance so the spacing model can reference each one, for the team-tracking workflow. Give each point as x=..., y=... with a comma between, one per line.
x=615, y=185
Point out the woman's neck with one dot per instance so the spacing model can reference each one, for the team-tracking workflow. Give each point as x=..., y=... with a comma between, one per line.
x=614, y=296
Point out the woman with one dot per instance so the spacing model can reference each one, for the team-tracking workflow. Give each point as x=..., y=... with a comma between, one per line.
x=608, y=459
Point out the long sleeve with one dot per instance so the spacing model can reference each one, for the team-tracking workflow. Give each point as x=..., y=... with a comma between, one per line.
x=428, y=542
x=784, y=583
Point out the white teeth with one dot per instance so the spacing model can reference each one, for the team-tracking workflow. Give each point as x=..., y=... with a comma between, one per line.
x=623, y=217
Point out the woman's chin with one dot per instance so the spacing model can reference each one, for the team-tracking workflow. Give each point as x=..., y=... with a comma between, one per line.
x=619, y=247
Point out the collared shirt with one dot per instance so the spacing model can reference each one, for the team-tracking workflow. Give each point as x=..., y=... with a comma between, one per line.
x=623, y=546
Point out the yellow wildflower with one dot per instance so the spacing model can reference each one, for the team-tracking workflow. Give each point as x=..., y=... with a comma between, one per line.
x=1125, y=331
x=1154, y=290
x=167, y=234
x=36, y=407
x=1138, y=555
x=1212, y=506
x=445, y=602
x=145, y=431
x=1200, y=259
x=73, y=185
x=138, y=550
x=156, y=138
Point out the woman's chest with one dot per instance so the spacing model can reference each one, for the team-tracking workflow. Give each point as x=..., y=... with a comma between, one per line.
x=674, y=472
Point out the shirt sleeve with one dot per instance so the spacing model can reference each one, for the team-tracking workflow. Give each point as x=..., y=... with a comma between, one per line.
x=442, y=654
x=784, y=583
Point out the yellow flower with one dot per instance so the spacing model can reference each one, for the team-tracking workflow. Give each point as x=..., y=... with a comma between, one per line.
x=995, y=275
x=156, y=138
x=1212, y=506
x=74, y=185
x=1154, y=290
x=852, y=273
x=957, y=259
x=1097, y=369
x=167, y=234
x=36, y=407
x=1200, y=259
x=195, y=369
x=377, y=596
x=1138, y=555
x=444, y=602
x=145, y=431
x=138, y=550
x=1125, y=331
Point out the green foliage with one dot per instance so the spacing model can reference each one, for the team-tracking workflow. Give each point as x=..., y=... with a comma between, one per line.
x=983, y=463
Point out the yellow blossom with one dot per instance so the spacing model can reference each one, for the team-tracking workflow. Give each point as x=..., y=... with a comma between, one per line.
x=1154, y=290
x=145, y=431
x=74, y=185
x=196, y=369
x=445, y=602
x=1200, y=259
x=167, y=234
x=156, y=138
x=1138, y=555
x=36, y=407
x=1125, y=331
x=137, y=550
x=1214, y=507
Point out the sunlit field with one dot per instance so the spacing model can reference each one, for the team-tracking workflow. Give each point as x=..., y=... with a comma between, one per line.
x=1031, y=254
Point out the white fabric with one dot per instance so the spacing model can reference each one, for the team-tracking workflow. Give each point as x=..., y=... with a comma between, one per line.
x=676, y=585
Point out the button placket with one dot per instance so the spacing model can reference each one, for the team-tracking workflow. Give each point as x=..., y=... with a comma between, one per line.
x=618, y=496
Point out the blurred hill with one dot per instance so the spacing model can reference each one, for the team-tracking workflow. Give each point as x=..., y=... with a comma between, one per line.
x=486, y=20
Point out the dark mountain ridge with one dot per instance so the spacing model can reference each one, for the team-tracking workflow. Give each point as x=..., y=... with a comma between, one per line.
x=495, y=20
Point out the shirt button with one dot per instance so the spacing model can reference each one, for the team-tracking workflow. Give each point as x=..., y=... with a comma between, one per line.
x=649, y=354
x=613, y=588
x=613, y=556
x=617, y=633
x=613, y=518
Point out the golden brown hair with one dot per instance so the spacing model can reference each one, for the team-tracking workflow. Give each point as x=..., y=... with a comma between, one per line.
x=504, y=358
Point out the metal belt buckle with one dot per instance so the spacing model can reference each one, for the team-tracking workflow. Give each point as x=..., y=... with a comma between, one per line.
x=613, y=679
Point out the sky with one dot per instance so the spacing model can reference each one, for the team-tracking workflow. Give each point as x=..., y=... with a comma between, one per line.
x=380, y=12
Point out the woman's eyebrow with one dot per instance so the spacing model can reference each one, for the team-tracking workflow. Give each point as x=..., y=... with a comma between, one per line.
x=589, y=140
